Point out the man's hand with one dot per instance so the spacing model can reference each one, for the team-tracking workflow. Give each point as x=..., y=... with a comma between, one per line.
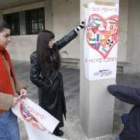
x=23, y=92
x=16, y=99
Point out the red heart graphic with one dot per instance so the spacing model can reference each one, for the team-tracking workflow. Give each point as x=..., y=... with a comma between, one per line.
x=102, y=33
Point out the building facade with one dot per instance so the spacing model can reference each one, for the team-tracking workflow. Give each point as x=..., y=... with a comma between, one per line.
x=28, y=17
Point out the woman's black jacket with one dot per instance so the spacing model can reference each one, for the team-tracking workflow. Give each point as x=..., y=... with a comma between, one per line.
x=51, y=94
x=131, y=95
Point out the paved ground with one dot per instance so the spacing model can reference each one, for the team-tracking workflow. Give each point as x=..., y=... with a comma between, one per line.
x=72, y=129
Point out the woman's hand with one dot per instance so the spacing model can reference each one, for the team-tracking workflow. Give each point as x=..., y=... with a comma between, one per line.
x=80, y=26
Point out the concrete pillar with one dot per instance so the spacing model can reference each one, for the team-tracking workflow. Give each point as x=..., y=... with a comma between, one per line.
x=48, y=15
x=133, y=41
x=96, y=104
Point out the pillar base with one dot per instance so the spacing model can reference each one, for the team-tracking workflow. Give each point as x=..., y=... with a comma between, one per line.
x=106, y=137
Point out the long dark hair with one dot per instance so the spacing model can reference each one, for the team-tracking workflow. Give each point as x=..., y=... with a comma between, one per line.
x=44, y=52
x=3, y=25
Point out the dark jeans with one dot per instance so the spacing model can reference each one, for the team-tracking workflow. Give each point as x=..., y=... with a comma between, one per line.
x=9, y=129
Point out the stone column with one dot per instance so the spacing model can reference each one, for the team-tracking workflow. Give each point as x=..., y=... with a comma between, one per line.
x=96, y=104
x=49, y=15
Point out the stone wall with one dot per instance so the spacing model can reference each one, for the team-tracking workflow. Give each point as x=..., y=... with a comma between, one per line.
x=61, y=16
x=133, y=44
x=123, y=27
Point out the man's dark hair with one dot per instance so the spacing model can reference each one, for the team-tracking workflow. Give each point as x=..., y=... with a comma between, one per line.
x=3, y=25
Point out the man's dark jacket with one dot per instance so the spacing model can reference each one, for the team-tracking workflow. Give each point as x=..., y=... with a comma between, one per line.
x=131, y=130
x=51, y=93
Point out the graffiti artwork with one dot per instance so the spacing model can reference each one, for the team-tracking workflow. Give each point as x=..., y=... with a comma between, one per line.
x=102, y=33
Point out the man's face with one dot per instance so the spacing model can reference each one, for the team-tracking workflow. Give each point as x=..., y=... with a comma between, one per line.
x=5, y=37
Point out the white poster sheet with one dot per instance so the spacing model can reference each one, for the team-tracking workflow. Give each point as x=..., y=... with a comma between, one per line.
x=34, y=134
x=101, y=41
x=39, y=123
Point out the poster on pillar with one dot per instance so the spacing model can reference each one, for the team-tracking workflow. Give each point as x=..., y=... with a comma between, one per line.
x=101, y=41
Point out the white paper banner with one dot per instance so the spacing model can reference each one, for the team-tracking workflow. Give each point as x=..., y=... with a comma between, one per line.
x=38, y=122
x=101, y=41
x=33, y=134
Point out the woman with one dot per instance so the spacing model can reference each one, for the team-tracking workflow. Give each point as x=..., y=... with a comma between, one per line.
x=8, y=88
x=45, y=73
